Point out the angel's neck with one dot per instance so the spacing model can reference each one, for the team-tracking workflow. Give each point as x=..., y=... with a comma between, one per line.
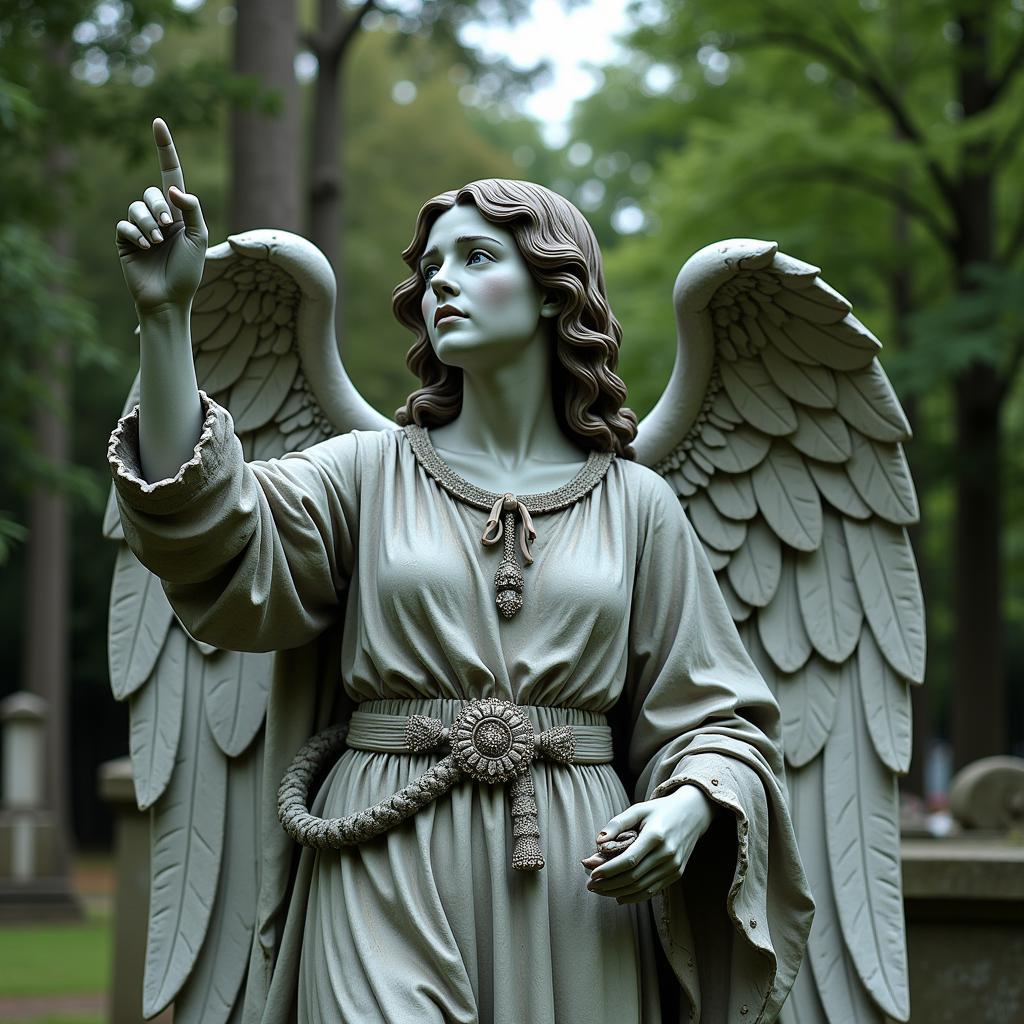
x=508, y=416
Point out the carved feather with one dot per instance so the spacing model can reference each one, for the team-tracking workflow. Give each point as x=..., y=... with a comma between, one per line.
x=211, y=992
x=155, y=712
x=235, y=690
x=801, y=304
x=187, y=839
x=879, y=473
x=139, y=617
x=718, y=560
x=862, y=832
x=866, y=401
x=712, y=527
x=841, y=346
x=787, y=497
x=693, y=472
x=753, y=392
x=890, y=592
x=724, y=411
x=836, y=488
x=839, y=989
x=219, y=367
x=808, y=699
x=761, y=658
x=781, y=625
x=813, y=386
x=263, y=340
x=213, y=296
x=793, y=273
x=745, y=450
x=712, y=436
x=775, y=337
x=829, y=601
x=821, y=434
x=768, y=349
x=755, y=567
x=112, y=529
x=886, y=705
x=738, y=608
x=261, y=389
x=733, y=495
x=680, y=484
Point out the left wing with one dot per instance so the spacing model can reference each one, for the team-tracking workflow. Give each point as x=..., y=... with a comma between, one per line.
x=264, y=347
x=782, y=437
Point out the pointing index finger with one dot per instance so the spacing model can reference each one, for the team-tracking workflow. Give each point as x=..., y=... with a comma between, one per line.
x=170, y=168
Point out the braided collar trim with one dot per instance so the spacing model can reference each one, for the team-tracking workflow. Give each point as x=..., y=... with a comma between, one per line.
x=592, y=473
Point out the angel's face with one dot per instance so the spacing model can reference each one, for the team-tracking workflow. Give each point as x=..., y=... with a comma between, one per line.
x=481, y=306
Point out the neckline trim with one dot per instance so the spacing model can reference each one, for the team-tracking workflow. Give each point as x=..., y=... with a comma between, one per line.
x=589, y=476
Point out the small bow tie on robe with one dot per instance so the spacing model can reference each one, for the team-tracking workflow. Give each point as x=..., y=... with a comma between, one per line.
x=502, y=517
x=501, y=524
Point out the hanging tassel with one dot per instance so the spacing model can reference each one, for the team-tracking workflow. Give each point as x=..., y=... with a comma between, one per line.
x=501, y=525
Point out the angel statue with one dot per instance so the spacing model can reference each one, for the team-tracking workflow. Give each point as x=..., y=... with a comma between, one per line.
x=402, y=677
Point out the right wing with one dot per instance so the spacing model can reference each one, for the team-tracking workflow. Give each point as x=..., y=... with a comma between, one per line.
x=264, y=347
x=781, y=435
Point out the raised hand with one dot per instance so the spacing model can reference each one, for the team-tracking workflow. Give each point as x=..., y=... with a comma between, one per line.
x=162, y=243
x=669, y=828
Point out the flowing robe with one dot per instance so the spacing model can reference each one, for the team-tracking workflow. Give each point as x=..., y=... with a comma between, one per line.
x=622, y=617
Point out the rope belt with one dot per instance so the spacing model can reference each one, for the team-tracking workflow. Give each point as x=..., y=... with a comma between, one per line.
x=490, y=740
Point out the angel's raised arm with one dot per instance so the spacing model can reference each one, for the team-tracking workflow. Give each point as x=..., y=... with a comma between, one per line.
x=162, y=245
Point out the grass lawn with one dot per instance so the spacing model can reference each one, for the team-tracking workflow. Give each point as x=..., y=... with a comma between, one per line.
x=62, y=1020
x=56, y=959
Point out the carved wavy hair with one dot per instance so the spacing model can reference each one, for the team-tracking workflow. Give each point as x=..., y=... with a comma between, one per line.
x=562, y=254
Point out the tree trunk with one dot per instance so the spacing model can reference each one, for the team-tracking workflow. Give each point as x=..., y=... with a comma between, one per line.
x=265, y=150
x=47, y=585
x=979, y=698
x=979, y=692
x=901, y=304
x=325, y=185
x=48, y=577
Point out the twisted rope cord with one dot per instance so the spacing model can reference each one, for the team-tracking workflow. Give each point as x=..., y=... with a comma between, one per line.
x=317, y=753
x=333, y=833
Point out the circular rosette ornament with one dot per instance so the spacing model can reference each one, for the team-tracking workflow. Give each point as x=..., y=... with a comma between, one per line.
x=492, y=740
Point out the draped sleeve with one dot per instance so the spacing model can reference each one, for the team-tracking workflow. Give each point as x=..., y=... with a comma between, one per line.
x=253, y=556
x=701, y=714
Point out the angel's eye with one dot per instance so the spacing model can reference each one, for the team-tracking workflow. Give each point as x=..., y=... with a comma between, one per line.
x=429, y=272
x=485, y=257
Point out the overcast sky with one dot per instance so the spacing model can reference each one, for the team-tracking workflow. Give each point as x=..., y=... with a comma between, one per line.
x=569, y=40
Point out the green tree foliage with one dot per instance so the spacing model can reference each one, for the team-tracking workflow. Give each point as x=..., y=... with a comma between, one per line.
x=124, y=66
x=407, y=25
x=71, y=72
x=68, y=73
x=881, y=140
x=398, y=154
x=39, y=311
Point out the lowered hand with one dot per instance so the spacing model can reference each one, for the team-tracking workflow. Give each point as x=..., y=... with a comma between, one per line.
x=669, y=827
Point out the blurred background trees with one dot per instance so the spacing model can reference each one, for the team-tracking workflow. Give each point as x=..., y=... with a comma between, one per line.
x=879, y=139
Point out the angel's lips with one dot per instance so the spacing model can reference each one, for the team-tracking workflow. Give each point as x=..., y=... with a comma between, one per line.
x=448, y=314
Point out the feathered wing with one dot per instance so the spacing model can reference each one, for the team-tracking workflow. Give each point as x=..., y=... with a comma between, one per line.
x=264, y=347
x=782, y=437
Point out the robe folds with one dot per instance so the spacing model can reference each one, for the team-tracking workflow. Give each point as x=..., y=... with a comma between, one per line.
x=622, y=617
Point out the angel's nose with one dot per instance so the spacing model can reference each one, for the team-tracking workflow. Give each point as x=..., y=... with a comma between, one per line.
x=443, y=284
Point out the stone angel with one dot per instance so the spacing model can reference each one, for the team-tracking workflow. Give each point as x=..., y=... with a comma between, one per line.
x=446, y=652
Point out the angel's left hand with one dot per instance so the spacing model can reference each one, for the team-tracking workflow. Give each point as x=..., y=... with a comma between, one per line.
x=669, y=828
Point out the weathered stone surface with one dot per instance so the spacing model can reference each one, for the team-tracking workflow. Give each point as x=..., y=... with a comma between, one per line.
x=964, y=900
x=989, y=794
